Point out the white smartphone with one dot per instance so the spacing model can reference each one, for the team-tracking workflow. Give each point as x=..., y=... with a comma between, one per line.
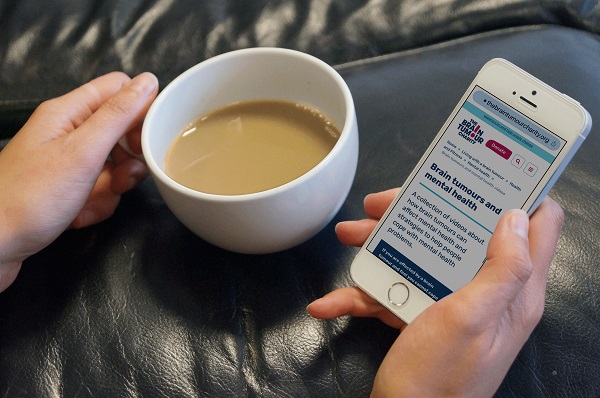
x=503, y=147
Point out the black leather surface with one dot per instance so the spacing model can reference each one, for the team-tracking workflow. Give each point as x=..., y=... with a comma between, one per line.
x=139, y=306
x=50, y=47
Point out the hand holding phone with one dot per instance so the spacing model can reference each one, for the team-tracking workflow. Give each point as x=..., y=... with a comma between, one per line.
x=465, y=343
x=503, y=147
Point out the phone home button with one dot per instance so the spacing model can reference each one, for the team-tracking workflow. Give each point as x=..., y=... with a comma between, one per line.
x=398, y=294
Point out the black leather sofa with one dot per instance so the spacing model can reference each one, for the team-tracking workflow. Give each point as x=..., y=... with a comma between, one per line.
x=139, y=306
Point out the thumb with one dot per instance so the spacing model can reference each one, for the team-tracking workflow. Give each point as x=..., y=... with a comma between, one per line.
x=117, y=115
x=507, y=268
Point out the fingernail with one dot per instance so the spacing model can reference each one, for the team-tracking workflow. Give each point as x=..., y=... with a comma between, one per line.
x=144, y=83
x=519, y=222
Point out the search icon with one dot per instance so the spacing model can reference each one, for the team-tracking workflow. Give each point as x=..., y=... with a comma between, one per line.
x=518, y=161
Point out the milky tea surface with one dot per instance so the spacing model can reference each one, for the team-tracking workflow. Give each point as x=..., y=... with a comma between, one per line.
x=250, y=146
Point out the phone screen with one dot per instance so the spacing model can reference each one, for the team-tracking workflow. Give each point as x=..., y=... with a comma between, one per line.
x=489, y=160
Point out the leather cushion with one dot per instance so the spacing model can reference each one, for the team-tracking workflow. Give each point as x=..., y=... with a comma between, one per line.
x=51, y=47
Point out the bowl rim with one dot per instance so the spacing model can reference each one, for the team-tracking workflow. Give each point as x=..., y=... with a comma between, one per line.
x=345, y=131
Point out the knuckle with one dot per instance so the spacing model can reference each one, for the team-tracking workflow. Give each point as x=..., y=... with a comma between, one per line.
x=120, y=75
x=533, y=310
x=469, y=323
x=558, y=214
x=536, y=315
x=519, y=267
x=115, y=106
x=554, y=214
x=465, y=315
x=49, y=106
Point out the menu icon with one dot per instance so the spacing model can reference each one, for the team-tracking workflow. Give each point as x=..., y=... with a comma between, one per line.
x=530, y=169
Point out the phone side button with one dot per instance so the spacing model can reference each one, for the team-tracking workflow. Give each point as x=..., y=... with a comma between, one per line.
x=398, y=294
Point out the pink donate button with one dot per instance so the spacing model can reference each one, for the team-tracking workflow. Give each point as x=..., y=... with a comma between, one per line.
x=499, y=149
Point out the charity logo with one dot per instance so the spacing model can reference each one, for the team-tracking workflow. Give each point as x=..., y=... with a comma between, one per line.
x=471, y=131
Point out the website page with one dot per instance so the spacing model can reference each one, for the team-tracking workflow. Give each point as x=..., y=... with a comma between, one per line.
x=488, y=161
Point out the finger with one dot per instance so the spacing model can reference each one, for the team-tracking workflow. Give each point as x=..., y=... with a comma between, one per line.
x=70, y=110
x=507, y=269
x=134, y=139
x=119, y=154
x=545, y=226
x=134, y=146
x=131, y=143
x=92, y=95
x=96, y=211
x=101, y=202
x=127, y=175
x=377, y=203
x=354, y=233
x=351, y=301
x=59, y=116
x=118, y=115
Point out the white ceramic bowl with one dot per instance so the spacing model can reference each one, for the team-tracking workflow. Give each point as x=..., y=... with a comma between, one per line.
x=278, y=218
